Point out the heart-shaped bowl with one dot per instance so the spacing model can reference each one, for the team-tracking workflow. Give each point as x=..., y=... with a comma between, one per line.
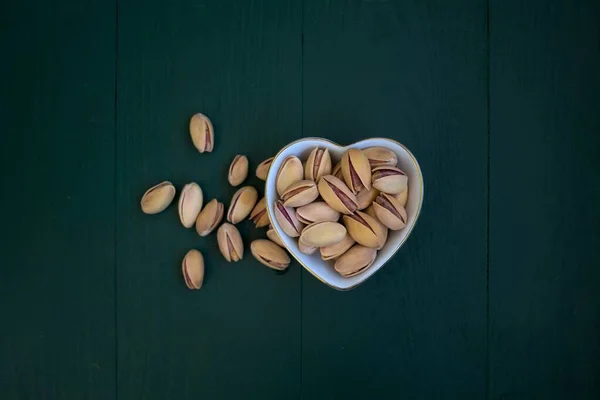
x=323, y=270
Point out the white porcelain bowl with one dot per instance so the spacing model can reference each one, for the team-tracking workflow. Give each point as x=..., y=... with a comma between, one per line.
x=323, y=270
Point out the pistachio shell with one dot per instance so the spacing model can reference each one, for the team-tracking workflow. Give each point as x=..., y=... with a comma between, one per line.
x=202, y=133
x=230, y=242
x=192, y=268
x=316, y=212
x=300, y=193
x=263, y=168
x=242, y=203
x=210, y=217
x=356, y=260
x=337, y=249
x=380, y=156
x=190, y=204
x=291, y=170
x=363, y=228
x=273, y=237
x=306, y=249
x=337, y=195
x=365, y=197
x=402, y=197
x=390, y=212
x=259, y=214
x=286, y=217
x=370, y=211
x=269, y=254
x=337, y=171
x=356, y=170
x=390, y=180
x=317, y=165
x=238, y=170
x=157, y=198
x=321, y=234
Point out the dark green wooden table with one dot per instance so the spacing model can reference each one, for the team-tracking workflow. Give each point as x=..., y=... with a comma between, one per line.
x=495, y=295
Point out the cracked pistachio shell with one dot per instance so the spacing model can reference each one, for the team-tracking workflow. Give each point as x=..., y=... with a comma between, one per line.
x=337, y=249
x=157, y=198
x=371, y=212
x=337, y=195
x=402, y=197
x=263, y=168
x=354, y=261
x=286, y=217
x=365, y=197
x=242, y=203
x=202, y=133
x=356, y=170
x=306, y=249
x=210, y=217
x=316, y=212
x=321, y=234
x=269, y=254
x=380, y=156
x=259, y=214
x=273, y=237
x=230, y=242
x=389, y=180
x=337, y=171
x=190, y=204
x=238, y=170
x=389, y=212
x=364, y=229
x=291, y=171
x=318, y=164
x=300, y=193
x=192, y=268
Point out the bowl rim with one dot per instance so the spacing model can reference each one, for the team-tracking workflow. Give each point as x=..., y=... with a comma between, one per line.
x=422, y=193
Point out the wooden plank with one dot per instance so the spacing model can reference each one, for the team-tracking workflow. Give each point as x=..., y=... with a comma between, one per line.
x=57, y=277
x=544, y=238
x=239, y=63
x=415, y=72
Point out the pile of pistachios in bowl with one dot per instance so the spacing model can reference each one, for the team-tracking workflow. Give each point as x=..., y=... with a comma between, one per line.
x=342, y=211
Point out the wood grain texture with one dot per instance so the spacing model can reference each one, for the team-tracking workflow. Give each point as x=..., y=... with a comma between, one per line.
x=57, y=159
x=544, y=238
x=415, y=72
x=239, y=63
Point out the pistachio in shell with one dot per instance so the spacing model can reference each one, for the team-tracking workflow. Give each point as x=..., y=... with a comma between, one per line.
x=356, y=170
x=300, y=193
x=320, y=234
x=202, y=133
x=318, y=164
x=291, y=171
x=190, y=204
x=274, y=237
x=316, y=212
x=365, y=197
x=364, y=229
x=242, y=203
x=390, y=212
x=380, y=156
x=230, y=242
x=337, y=171
x=192, y=268
x=337, y=249
x=210, y=217
x=286, y=217
x=263, y=168
x=306, y=249
x=238, y=170
x=269, y=254
x=402, y=197
x=389, y=180
x=157, y=198
x=337, y=195
x=370, y=211
x=356, y=260
x=259, y=214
